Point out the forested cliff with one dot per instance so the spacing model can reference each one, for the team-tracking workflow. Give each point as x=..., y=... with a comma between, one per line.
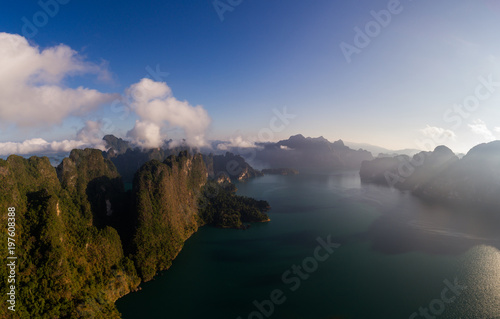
x=82, y=241
x=66, y=266
x=166, y=196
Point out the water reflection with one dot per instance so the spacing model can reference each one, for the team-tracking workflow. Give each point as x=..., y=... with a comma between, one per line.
x=408, y=224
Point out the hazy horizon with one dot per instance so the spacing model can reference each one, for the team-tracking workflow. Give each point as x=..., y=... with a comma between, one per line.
x=396, y=74
x=40, y=147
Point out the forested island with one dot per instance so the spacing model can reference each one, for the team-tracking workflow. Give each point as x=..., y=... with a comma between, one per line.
x=83, y=241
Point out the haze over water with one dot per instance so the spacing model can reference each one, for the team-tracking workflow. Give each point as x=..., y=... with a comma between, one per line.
x=396, y=256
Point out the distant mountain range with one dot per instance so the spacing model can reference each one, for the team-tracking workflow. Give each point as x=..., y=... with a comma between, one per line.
x=118, y=146
x=377, y=150
x=437, y=175
x=301, y=152
x=297, y=152
x=440, y=175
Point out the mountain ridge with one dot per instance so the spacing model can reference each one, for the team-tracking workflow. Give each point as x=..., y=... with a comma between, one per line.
x=440, y=175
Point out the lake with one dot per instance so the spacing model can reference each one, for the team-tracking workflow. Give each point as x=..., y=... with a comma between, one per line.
x=335, y=248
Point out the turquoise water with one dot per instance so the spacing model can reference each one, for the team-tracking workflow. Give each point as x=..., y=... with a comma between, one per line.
x=397, y=256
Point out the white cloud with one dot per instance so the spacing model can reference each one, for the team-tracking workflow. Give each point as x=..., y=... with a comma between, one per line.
x=438, y=134
x=91, y=134
x=223, y=147
x=146, y=134
x=31, y=89
x=88, y=136
x=497, y=129
x=157, y=108
x=479, y=127
x=33, y=94
x=236, y=142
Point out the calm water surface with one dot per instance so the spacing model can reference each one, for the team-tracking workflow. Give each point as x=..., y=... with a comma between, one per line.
x=397, y=256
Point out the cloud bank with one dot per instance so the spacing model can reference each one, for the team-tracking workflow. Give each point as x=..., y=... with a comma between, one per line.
x=236, y=142
x=480, y=128
x=89, y=136
x=158, y=109
x=31, y=89
x=33, y=95
x=438, y=134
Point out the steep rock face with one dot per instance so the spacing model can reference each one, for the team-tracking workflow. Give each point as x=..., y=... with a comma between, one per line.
x=67, y=267
x=115, y=145
x=310, y=153
x=129, y=162
x=129, y=159
x=82, y=166
x=95, y=185
x=166, y=200
x=233, y=166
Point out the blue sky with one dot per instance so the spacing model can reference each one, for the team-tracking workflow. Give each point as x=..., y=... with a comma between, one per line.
x=398, y=91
